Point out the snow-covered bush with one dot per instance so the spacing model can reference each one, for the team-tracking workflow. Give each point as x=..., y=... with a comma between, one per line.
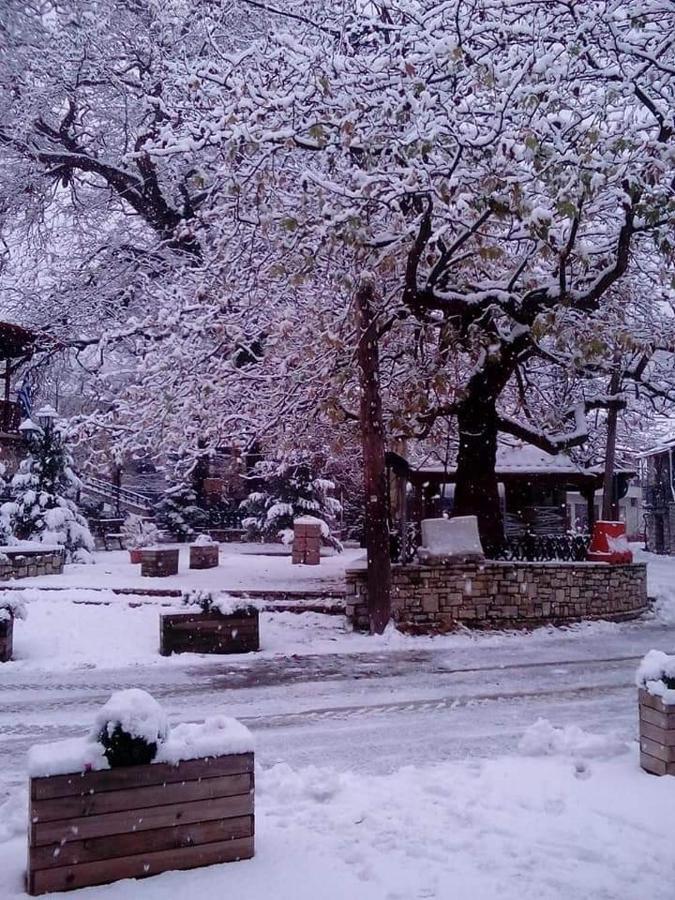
x=289, y=490
x=43, y=491
x=137, y=533
x=12, y=606
x=222, y=603
x=130, y=726
x=656, y=674
x=200, y=598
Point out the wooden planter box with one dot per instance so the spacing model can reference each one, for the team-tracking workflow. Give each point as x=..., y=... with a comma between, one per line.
x=135, y=556
x=210, y=632
x=306, y=544
x=6, y=638
x=156, y=563
x=657, y=735
x=204, y=556
x=96, y=827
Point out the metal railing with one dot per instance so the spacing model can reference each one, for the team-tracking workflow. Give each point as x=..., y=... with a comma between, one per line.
x=114, y=494
x=528, y=547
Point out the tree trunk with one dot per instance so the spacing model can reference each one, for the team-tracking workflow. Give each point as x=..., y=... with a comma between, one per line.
x=373, y=445
x=477, y=491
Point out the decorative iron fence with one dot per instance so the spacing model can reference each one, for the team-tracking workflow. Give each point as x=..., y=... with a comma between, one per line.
x=527, y=547
x=545, y=547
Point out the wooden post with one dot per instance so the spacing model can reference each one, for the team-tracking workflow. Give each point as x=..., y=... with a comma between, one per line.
x=374, y=470
x=610, y=506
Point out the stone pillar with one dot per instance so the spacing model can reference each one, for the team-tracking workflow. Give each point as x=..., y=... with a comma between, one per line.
x=306, y=542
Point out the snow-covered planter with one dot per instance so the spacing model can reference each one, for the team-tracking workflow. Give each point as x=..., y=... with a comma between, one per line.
x=204, y=553
x=158, y=562
x=94, y=823
x=10, y=608
x=656, y=698
x=138, y=534
x=217, y=625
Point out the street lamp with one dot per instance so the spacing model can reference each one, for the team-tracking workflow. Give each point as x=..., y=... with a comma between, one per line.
x=47, y=416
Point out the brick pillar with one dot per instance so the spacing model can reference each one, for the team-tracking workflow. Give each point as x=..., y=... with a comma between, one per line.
x=306, y=543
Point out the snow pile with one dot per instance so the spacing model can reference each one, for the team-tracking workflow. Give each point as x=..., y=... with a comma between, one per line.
x=136, y=712
x=450, y=539
x=218, y=736
x=544, y=739
x=65, y=757
x=203, y=540
x=656, y=674
x=12, y=605
x=228, y=606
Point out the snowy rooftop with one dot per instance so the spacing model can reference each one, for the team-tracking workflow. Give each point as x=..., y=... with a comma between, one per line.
x=515, y=458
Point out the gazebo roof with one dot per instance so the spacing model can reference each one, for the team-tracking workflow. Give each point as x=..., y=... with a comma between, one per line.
x=15, y=341
x=515, y=461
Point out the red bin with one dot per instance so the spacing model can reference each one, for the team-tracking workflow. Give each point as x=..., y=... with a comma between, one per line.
x=609, y=544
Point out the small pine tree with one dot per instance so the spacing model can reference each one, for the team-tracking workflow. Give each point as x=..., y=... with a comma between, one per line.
x=179, y=513
x=43, y=491
x=288, y=490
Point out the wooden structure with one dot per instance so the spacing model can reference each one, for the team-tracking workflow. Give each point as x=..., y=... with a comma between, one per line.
x=158, y=562
x=96, y=827
x=658, y=487
x=533, y=489
x=6, y=636
x=657, y=734
x=204, y=556
x=306, y=543
x=17, y=345
x=210, y=632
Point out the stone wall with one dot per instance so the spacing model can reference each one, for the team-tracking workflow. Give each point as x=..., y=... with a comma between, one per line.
x=29, y=563
x=497, y=594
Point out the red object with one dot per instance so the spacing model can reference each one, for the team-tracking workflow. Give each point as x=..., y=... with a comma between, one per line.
x=609, y=544
x=135, y=556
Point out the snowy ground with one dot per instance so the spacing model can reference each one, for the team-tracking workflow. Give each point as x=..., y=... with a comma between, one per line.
x=242, y=567
x=391, y=768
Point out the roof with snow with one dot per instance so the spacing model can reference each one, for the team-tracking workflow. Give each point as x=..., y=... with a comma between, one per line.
x=514, y=459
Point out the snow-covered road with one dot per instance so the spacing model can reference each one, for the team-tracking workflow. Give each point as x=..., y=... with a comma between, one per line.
x=365, y=711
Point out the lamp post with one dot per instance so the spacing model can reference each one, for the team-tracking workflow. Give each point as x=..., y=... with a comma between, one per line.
x=47, y=415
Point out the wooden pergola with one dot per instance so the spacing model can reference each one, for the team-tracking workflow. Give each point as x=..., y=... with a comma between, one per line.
x=529, y=488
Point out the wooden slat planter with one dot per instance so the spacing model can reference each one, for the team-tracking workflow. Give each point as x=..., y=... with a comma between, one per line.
x=657, y=735
x=96, y=827
x=306, y=544
x=204, y=556
x=6, y=638
x=210, y=632
x=158, y=563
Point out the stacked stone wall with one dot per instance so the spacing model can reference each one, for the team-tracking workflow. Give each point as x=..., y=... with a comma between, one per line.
x=496, y=594
x=30, y=563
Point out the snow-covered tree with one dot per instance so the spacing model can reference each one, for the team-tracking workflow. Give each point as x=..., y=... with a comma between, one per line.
x=286, y=490
x=43, y=497
x=179, y=513
x=496, y=170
